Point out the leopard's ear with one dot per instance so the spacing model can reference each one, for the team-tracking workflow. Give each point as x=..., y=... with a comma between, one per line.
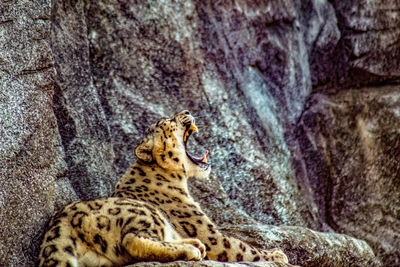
x=144, y=151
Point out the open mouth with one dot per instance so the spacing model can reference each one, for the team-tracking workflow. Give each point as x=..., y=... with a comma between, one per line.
x=190, y=128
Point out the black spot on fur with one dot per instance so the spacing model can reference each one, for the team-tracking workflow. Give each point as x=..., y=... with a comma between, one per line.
x=130, y=219
x=170, y=154
x=119, y=250
x=77, y=218
x=242, y=247
x=48, y=250
x=179, y=177
x=256, y=258
x=180, y=190
x=114, y=211
x=100, y=241
x=180, y=214
x=54, y=233
x=227, y=244
x=159, y=177
x=213, y=241
x=176, y=199
x=211, y=228
x=199, y=221
x=73, y=241
x=162, y=233
x=159, y=184
x=207, y=247
x=154, y=231
x=145, y=224
x=198, y=213
x=82, y=237
x=223, y=256
x=132, y=172
x=147, y=181
x=120, y=221
x=189, y=228
x=141, y=172
x=94, y=205
x=69, y=250
x=161, y=201
x=183, y=168
x=131, y=181
x=253, y=252
x=239, y=257
x=152, y=202
x=163, y=157
x=176, y=159
x=104, y=222
x=59, y=215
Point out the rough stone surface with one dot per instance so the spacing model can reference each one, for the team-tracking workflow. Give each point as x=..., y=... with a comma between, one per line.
x=27, y=127
x=206, y=264
x=297, y=101
x=306, y=247
x=351, y=146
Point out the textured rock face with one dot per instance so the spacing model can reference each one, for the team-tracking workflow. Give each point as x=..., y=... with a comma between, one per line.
x=205, y=264
x=351, y=144
x=293, y=139
x=27, y=127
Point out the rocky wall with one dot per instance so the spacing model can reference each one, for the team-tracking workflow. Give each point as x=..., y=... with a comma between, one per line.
x=297, y=101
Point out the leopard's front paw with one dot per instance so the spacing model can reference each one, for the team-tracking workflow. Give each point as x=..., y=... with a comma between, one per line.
x=275, y=255
x=197, y=244
x=193, y=253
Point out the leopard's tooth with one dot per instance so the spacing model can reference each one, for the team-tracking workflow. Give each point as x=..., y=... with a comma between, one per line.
x=204, y=158
x=185, y=136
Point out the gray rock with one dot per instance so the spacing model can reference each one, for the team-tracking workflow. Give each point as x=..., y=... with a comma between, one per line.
x=293, y=140
x=351, y=150
x=205, y=264
x=27, y=127
x=306, y=247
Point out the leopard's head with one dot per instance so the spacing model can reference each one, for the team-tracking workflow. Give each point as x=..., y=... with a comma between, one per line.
x=166, y=145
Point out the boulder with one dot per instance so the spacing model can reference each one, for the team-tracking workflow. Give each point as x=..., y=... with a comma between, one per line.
x=351, y=150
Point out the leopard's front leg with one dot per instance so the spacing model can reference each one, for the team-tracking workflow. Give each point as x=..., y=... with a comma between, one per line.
x=194, y=223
